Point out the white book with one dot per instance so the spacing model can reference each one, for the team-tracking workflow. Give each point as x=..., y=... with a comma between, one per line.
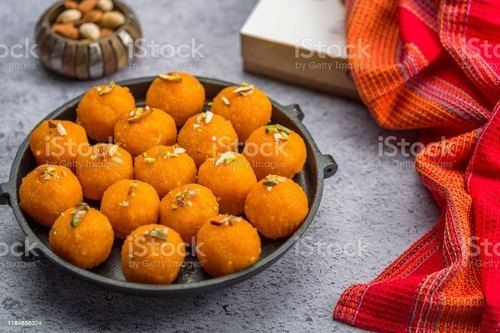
x=299, y=41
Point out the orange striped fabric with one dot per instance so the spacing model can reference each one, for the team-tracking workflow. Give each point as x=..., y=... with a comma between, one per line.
x=428, y=68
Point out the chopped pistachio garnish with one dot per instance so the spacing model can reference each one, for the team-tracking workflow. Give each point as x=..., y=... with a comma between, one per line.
x=106, y=89
x=244, y=89
x=55, y=128
x=131, y=189
x=171, y=77
x=283, y=129
x=51, y=124
x=158, y=234
x=225, y=100
x=169, y=154
x=49, y=172
x=228, y=157
x=182, y=198
x=272, y=180
x=174, y=207
x=208, y=117
x=277, y=128
x=179, y=150
x=61, y=130
x=230, y=160
x=205, y=117
x=103, y=151
x=225, y=220
x=138, y=114
x=112, y=150
x=130, y=193
x=280, y=132
x=80, y=210
x=149, y=160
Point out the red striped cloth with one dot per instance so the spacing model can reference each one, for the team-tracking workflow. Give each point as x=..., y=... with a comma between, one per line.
x=434, y=65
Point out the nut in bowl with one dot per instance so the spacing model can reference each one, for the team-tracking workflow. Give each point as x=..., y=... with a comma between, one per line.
x=175, y=234
x=87, y=39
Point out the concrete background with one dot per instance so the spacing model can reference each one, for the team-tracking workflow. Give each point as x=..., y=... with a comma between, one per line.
x=370, y=204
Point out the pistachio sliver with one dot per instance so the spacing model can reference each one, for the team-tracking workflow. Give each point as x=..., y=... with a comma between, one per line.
x=61, y=130
x=270, y=182
x=270, y=129
x=283, y=129
x=139, y=114
x=227, y=158
x=103, y=90
x=225, y=221
x=158, y=234
x=50, y=172
x=79, y=213
x=244, y=89
x=171, y=77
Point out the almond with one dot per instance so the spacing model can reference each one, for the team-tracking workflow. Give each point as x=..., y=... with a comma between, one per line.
x=69, y=4
x=87, y=5
x=69, y=15
x=106, y=32
x=90, y=31
x=112, y=20
x=93, y=16
x=105, y=5
x=66, y=30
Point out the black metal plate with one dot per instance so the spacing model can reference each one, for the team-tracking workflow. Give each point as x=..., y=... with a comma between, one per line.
x=192, y=278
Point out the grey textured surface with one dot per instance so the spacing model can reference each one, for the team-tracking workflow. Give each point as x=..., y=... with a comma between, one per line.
x=381, y=207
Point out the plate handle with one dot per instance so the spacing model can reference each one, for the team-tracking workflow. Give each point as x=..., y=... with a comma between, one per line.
x=330, y=167
x=4, y=194
x=295, y=110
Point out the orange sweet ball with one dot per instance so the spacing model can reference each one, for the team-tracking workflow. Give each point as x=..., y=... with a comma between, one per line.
x=230, y=177
x=179, y=94
x=186, y=208
x=153, y=254
x=101, y=107
x=102, y=166
x=276, y=150
x=227, y=244
x=165, y=168
x=276, y=206
x=246, y=107
x=143, y=128
x=58, y=142
x=82, y=236
x=128, y=204
x=207, y=135
x=47, y=191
